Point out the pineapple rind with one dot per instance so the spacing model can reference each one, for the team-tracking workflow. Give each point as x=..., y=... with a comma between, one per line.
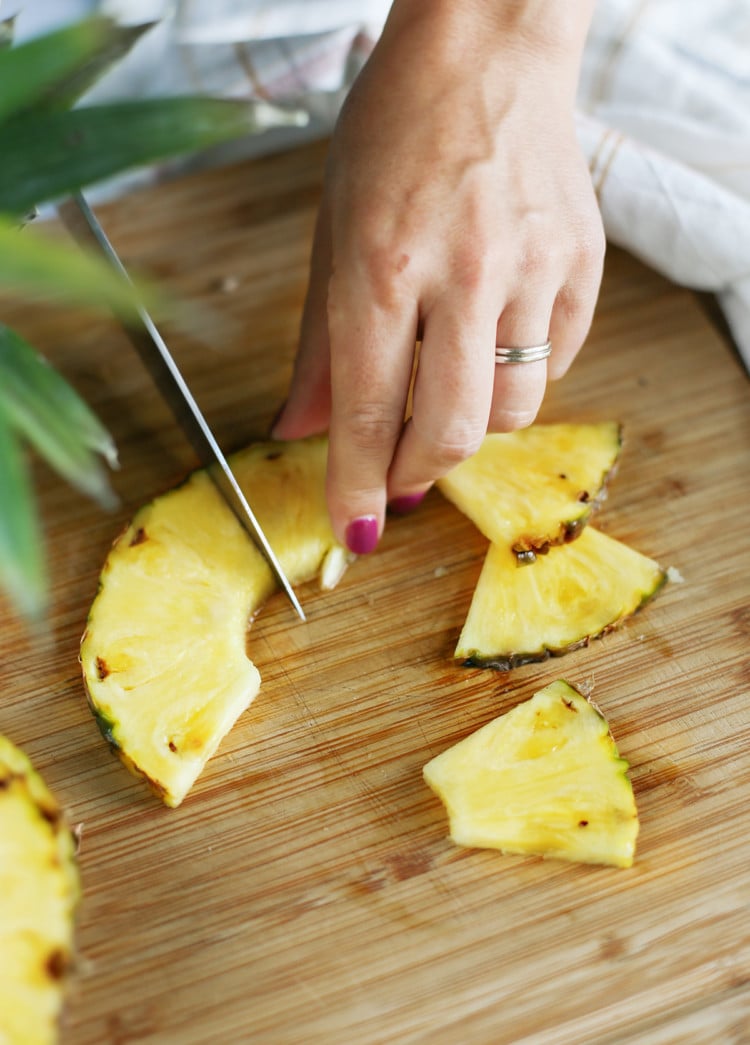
x=39, y=894
x=537, y=487
x=578, y=592
x=545, y=779
x=164, y=654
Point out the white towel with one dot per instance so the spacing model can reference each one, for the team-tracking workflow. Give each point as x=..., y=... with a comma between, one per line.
x=664, y=118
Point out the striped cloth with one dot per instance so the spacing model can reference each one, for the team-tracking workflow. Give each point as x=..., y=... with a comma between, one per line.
x=663, y=108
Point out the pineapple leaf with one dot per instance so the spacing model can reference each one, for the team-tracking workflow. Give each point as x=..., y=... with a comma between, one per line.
x=49, y=151
x=55, y=69
x=58, y=152
x=41, y=268
x=42, y=407
x=22, y=568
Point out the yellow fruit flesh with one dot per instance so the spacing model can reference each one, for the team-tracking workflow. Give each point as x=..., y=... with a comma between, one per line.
x=545, y=779
x=536, y=487
x=576, y=592
x=39, y=891
x=164, y=654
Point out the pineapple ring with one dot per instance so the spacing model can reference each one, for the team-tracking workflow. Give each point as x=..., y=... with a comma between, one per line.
x=163, y=655
x=39, y=892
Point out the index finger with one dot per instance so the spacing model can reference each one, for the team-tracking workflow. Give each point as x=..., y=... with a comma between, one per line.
x=372, y=347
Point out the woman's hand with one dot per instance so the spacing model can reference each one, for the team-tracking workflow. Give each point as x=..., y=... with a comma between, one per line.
x=457, y=210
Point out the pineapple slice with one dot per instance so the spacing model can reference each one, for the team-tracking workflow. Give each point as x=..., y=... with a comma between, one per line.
x=522, y=613
x=536, y=487
x=39, y=891
x=163, y=654
x=545, y=779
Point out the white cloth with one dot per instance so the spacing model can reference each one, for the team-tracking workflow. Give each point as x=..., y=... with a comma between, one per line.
x=664, y=108
x=664, y=118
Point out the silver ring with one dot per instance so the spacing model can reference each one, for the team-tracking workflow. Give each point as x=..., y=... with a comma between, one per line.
x=532, y=354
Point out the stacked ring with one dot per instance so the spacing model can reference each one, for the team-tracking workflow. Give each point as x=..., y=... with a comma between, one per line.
x=532, y=354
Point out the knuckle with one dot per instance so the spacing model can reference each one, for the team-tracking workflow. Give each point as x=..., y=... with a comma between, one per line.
x=454, y=443
x=540, y=254
x=384, y=259
x=588, y=249
x=370, y=426
x=470, y=265
x=585, y=265
x=510, y=420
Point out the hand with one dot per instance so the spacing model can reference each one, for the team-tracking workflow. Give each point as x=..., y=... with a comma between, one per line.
x=457, y=210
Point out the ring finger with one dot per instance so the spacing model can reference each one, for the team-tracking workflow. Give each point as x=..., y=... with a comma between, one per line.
x=519, y=387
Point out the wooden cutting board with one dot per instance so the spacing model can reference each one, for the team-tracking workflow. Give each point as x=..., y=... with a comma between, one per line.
x=306, y=891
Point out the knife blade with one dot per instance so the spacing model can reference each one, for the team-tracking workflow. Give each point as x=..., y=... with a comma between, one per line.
x=81, y=221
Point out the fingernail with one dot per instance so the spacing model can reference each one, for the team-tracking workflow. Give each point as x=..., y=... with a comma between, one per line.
x=362, y=534
x=407, y=503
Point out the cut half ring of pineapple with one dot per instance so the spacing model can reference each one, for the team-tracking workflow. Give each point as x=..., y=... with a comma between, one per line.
x=532, y=354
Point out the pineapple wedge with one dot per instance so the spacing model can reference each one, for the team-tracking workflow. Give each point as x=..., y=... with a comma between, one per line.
x=545, y=779
x=163, y=655
x=39, y=892
x=536, y=487
x=523, y=613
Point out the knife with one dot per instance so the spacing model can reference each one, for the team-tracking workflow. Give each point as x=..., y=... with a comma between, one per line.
x=81, y=221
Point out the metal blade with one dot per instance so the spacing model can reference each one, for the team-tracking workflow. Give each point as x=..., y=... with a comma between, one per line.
x=150, y=345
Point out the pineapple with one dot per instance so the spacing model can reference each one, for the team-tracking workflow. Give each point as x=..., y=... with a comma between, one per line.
x=163, y=654
x=544, y=779
x=39, y=891
x=522, y=613
x=536, y=487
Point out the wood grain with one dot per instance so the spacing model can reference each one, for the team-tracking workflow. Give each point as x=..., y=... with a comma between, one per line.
x=306, y=891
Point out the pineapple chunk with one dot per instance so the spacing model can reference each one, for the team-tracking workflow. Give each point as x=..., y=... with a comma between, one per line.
x=163, y=655
x=545, y=779
x=522, y=613
x=39, y=891
x=536, y=487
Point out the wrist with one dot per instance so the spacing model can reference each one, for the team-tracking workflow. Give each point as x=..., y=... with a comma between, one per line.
x=547, y=29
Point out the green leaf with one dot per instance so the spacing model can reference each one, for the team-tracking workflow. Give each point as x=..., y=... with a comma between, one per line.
x=40, y=267
x=42, y=407
x=55, y=153
x=28, y=375
x=22, y=568
x=55, y=69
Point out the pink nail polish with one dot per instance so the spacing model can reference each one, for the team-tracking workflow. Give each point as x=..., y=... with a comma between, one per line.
x=406, y=504
x=362, y=534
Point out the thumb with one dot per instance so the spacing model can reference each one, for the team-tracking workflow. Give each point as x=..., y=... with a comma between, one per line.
x=307, y=410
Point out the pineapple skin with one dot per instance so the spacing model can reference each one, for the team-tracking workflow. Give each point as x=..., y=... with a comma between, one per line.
x=538, y=487
x=164, y=659
x=542, y=599
x=39, y=895
x=545, y=779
